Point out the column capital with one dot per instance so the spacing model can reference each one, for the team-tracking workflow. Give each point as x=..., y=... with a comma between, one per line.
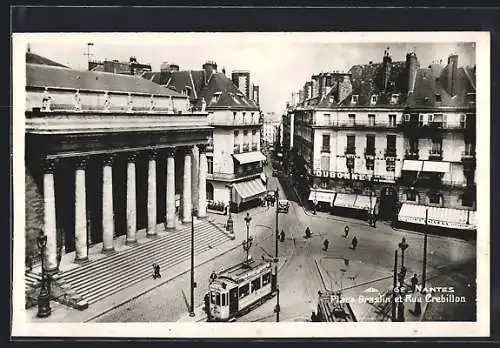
x=202, y=148
x=81, y=162
x=131, y=156
x=152, y=153
x=107, y=160
x=188, y=150
x=49, y=165
x=170, y=151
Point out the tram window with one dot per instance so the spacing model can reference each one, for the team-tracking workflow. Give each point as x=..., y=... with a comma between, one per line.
x=223, y=299
x=244, y=290
x=266, y=279
x=255, y=284
x=212, y=297
x=217, y=300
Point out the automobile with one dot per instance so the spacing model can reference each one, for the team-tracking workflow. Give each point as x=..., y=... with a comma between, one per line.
x=283, y=206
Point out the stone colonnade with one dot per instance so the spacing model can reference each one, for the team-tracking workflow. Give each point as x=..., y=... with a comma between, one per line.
x=108, y=228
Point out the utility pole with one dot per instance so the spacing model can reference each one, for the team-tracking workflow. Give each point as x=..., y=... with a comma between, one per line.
x=394, y=285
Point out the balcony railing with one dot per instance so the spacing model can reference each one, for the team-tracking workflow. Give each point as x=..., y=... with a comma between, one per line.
x=254, y=147
x=370, y=151
x=236, y=149
x=436, y=154
x=357, y=124
x=325, y=149
x=246, y=147
x=348, y=150
x=411, y=154
x=390, y=152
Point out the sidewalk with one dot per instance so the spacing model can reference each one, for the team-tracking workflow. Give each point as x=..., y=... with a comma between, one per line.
x=61, y=313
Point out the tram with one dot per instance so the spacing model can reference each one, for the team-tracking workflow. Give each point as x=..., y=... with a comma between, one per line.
x=333, y=308
x=239, y=289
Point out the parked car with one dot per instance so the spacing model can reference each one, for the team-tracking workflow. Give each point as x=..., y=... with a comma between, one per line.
x=283, y=206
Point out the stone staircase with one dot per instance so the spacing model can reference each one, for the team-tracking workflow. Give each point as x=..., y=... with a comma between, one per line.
x=95, y=280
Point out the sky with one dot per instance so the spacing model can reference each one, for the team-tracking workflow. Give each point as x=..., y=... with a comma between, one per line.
x=280, y=65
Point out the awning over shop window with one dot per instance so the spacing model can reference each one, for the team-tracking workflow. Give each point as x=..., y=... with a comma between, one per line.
x=363, y=202
x=412, y=165
x=344, y=200
x=436, y=166
x=443, y=217
x=321, y=196
x=263, y=177
x=249, y=157
x=249, y=189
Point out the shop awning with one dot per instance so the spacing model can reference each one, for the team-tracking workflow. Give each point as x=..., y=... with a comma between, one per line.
x=363, y=202
x=436, y=166
x=344, y=200
x=412, y=165
x=321, y=196
x=263, y=177
x=443, y=217
x=249, y=157
x=249, y=189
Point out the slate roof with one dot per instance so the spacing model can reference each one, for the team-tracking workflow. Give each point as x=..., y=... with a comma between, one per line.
x=32, y=58
x=53, y=76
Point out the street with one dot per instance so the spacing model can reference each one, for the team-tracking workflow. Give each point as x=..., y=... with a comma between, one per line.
x=299, y=278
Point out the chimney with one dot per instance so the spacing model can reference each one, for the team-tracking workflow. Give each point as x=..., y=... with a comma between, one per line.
x=224, y=71
x=412, y=66
x=28, y=50
x=209, y=67
x=451, y=72
x=344, y=86
x=173, y=67
x=386, y=66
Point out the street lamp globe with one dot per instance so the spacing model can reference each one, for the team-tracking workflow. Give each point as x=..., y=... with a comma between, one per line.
x=403, y=245
x=41, y=240
x=247, y=219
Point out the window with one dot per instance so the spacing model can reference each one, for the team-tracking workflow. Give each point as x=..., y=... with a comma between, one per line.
x=436, y=145
x=327, y=118
x=354, y=99
x=391, y=142
x=325, y=147
x=434, y=198
x=223, y=298
x=212, y=297
x=351, y=146
x=217, y=299
x=236, y=134
x=371, y=120
x=266, y=279
x=373, y=100
x=216, y=97
x=411, y=195
x=463, y=121
x=392, y=120
x=352, y=119
x=210, y=165
x=244, y=290
x=394, y=98
x=255, y=284
x=370, y=144
x=234, y=114
x=467, y=200
x=438, y=97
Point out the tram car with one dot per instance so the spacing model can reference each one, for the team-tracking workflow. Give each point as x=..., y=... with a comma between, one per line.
x=239, y=289
x=332, y=308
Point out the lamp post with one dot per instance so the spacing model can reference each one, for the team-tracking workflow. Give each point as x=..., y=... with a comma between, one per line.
x=229, y=224
x=315, y=202
x=44, y=309
x=247, y=244
x=193, y=283
x=403, y=246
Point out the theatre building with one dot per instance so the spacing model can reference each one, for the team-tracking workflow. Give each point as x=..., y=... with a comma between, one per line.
x=234, y=158
x=107, y=155
x=391, y=139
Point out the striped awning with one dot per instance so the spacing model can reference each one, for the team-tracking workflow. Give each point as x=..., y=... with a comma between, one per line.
x=249, y=157
x=412, y=165
x=249, y=189
x=437, y=216
x=436, y=166
x=363, y=202
x=322, y=196
x=344, y=200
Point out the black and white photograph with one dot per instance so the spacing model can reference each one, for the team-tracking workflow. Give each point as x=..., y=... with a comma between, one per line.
x=251, y=184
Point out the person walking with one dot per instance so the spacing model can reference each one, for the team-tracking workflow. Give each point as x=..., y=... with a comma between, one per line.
x=414, y=282
x=346, y=231
x=308, y=232
x=157, y=271
x=154, y=271
x=282, y=236
x=325, y=244
x=354, y=243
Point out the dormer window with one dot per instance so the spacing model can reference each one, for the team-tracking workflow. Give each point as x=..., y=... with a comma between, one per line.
x=354, y=99
x=394, y=98
x=438, y=97
x=216, y=97
x=373, y=100
x=330, y=100
x=234, y=98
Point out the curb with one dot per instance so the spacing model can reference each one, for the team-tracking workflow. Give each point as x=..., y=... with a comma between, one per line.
x=151, y=288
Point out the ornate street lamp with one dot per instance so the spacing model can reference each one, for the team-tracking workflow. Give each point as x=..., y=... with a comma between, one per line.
x=229, y=224
x=403, y=246
x=247, y=244
x=44, y=309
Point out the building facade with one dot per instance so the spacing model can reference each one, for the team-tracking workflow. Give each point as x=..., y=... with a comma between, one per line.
x=235, y=176
x=389, y=137
x=107, y=155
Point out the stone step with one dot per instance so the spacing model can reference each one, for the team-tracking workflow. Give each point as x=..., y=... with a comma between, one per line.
x=127, y=257
x=128, y=281
x=138, y=248
x=104, y=277
x=133, y=264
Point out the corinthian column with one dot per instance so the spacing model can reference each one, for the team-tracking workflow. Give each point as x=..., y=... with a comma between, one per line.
x=202, y=183
x=151, y=231
x=186, y=187
x=170, y=189
x=108, y=226
x=49, y=205
x=131, y=201
x=81, y=251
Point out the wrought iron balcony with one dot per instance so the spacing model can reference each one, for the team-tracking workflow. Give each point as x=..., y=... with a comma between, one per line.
x=390, y=152
x=348, y=150
x=246, y=147
x=436, y=154
x=469, y=155
x=325, y=149
x=370, y=151
x=411, y=154
x=236, y=149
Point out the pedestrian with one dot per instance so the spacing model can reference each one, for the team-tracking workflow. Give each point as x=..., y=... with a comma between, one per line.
x=346, y=231
x=154, y=271
x=282, y=236
x=354, y=243
x=414, y=282
x=206, y=300
x=308, y=232
x=325, y=243
x=157, y=271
